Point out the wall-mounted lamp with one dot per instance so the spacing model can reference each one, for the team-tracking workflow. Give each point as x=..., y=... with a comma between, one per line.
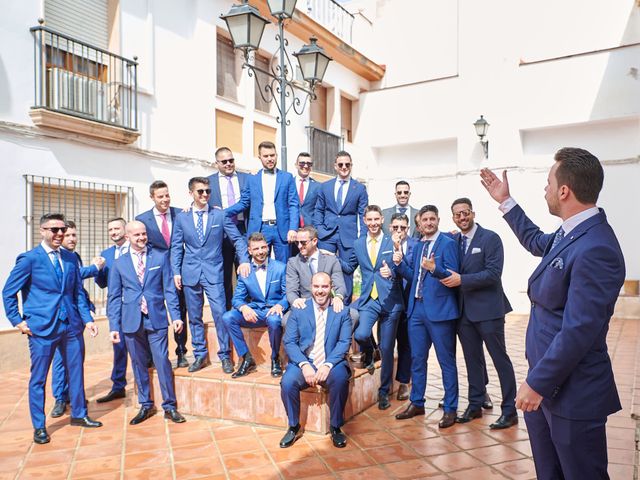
x=481, y=130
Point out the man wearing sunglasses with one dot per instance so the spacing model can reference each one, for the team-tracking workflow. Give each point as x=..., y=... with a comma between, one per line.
x=403, y=194
x=54, y=315
x=274, y=208
x=339, y=214
x=226, y=188
x=196, y=260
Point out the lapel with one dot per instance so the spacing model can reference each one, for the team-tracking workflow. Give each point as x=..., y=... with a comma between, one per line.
x=350, y=193
x=385, y=243
x=268, y=280
x=46, y=258
x=327, y=327
x=149, y=264
x=215, y=189
x=151, y=220
x=310, y=317
x=253, y=278
x=477, y=238
x=331, y=185
x=279, y=180
x=322, y=260
x=130, y=270
x=210, y=220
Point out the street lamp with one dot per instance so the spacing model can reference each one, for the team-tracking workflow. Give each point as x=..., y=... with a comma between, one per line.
x=246, y=25
x=481, y=130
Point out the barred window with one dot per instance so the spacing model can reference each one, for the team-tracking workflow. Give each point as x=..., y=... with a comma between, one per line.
x=228, y=69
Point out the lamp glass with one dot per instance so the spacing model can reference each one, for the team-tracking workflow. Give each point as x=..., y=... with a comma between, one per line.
x=283, y=8
x=239, y=29
x=481, y=126
x=256, y=29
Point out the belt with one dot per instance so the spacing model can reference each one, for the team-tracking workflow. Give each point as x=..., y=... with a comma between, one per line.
x=269, y=222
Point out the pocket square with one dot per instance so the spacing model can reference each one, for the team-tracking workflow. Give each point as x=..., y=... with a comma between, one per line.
x=475, y=250
x=155, y=268
x=216, y=225
x=387, y=251
x=274, y=281
x=557, y=263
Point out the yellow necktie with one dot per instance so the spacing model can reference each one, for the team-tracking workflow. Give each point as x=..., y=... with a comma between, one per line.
x=373, y=256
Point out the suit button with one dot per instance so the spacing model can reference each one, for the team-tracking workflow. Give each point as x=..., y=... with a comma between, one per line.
x=533, y=305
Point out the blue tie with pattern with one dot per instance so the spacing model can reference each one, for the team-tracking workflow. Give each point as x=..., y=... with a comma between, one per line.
x=402, y=210
x=339, y=196
x=200, y=226
x=62, y=312
x=557, y=239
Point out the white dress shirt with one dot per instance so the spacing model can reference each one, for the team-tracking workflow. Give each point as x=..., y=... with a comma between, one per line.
x=121, y=250
x=268, y=196
x=345, y=189
x=48, y=249
x=134, y=259
x=261, y=276
x=223, y=181
x=306, y=182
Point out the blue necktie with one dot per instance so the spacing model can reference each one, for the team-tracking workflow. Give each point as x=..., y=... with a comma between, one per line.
x=557, y=239
x=422, y=273
x=463, y=245
x=339, y=197
x=62, y=312
x=402, y=210
x=200, y=227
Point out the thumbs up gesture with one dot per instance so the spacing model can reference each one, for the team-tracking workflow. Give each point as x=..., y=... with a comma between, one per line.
x=385, y=271
x=429, y=263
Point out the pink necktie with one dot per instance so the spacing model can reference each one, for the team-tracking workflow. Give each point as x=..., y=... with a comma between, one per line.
x=140, y=272
x=165, y=229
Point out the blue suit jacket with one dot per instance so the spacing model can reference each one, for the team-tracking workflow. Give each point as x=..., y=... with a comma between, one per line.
x=126, y=292
x=286, y=203
x=389, y=289
x=42, y=294
x=573, y=292
x=87, y=272
x=480, y=293
x=215, y=200
x=440, y=302
x=109, y=255
x=301, y=333
x=329, y=220
x=154, y=235
x=308, y=207
x=248, y=289
x=191, y=258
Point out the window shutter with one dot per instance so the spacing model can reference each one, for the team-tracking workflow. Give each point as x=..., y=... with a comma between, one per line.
x=85, y=20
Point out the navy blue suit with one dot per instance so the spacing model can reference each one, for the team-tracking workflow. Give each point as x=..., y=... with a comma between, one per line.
x=156, y=241
x=56, y=313
x=248, y=293
x=387, y=307
x=298, y=340
x=145, y=333
x=287, y=207
x=228, y=249
x=483, y=306
x=573, y=292
x=403, y=370
x=119, y=370
x=432, y=319
x=200, y=265
x=338, y=227
x=308, y=206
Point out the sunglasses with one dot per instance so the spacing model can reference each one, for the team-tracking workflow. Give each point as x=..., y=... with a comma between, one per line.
x=202, y=191
x=55, y=230
x=399, y=227
x=343, y=165
x=302, y=242
x=227, y=160
x=463, y=213
x=305, y=164
x=402, y=192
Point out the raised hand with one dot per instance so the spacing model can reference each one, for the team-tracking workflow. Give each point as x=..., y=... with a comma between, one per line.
x=385, y=271
x=429, y=263
x=498, y=189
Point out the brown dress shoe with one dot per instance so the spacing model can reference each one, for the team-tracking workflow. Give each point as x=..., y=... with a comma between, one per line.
x=447, y=420
x=403, y=392
x=410, y=412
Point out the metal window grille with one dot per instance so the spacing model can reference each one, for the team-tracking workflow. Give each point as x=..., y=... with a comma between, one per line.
x=323, y=147
x=89, y=204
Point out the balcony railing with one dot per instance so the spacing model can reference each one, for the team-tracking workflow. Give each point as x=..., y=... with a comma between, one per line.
x=78, y=79
x=331, y=15
x=323, y=147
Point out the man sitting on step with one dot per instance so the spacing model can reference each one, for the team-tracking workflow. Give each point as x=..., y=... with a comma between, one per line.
x=259, y=300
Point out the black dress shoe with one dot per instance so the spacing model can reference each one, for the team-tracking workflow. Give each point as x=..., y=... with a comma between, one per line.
x=469, y=414
x=40, y=436
x=247, y=366
x=338, y=438
x=370, y=363
x=505, y=421
x=182, y=361
x=276, y=368
x=87, y=422
x=174, y=415
x=410, y=412
x=487, y=404
x=143, y=414
x=403, y=392
x=227, y=365
x=199, y=364
x=293, y=434
x=112, y=395
x=447, y=420
x=441, y=403
x=59, y=408
x=383, y=401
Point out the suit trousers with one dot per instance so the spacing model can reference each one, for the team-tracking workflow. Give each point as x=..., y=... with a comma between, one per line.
x=567, y=449
x=403, y=372
x=194, y=296
x=334, y=245
x=229, y=264
x=181, y=338
x=281, y=249
x=139, y=344
x=491, y=332
x=41, y=350
x=337, y=382
x=370, y=313
x=442, y=335
x=234, y=320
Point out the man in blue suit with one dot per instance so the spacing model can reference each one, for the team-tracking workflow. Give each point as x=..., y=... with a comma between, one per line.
x=274, y=209
x=159, y=224
x=317, y=340
x=380, y=298
x=259, y=300
x=307, y=189
x=55, y=312
x=339, y=210
x=483, y=306
x=432, y=311
x=59, y=377
x=139, y=284
x=116, y=229
x=570, y=389
x=196, y=260
x=226, y=188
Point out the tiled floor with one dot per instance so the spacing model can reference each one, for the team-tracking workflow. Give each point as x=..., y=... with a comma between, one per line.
x=380, y=447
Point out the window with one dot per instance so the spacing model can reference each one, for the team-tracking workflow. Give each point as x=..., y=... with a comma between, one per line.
x=319, y=109
x=261, y=81
x=90, y=205
x=229, y=131
x=228, y=69
x=346, y=110
x=262, y=133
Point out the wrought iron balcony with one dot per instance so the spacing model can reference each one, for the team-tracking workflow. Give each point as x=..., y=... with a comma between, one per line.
x=87, y=82
x=323, y=147
x=330, y=14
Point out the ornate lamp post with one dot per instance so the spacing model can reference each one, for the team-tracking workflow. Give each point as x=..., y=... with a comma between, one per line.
x=481, y=130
